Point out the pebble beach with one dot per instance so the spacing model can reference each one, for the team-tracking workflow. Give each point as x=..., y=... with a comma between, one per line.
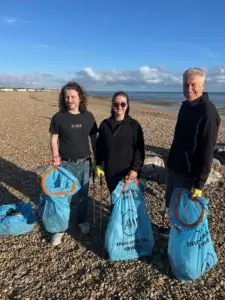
x=78, y=269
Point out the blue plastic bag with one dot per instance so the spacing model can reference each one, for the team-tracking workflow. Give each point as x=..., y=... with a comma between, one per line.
x=190, y=249
x=58, y=186
x=129, y=232
x=19, y=222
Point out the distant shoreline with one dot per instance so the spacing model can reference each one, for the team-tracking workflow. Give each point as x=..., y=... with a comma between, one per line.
x=159, y=104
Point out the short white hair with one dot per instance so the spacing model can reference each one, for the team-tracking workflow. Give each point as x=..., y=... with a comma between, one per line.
x=194, y=71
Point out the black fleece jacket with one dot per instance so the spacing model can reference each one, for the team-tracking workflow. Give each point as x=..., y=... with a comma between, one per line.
x=194, y=140
x=120, y=147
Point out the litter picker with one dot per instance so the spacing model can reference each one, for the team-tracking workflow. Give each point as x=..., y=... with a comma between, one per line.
x=93, y=197
x=100, y=205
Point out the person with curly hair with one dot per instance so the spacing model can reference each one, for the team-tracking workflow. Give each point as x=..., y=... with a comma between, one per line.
x=70, y=130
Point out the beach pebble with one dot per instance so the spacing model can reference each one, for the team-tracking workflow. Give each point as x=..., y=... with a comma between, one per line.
x=78, y=269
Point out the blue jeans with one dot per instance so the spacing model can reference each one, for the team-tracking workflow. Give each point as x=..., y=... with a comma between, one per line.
x=81, y=170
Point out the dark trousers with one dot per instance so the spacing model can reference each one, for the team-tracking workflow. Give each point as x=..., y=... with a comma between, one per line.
x=174, y=181
x=112, y=179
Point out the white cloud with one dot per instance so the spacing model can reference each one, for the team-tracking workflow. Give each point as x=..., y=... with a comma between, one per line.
x=32, y=80
x=145, y=75
x=9, y=20
x=89, y=72
x=220, y=78
x=144, y=78
x=208, y=52
x=45, y=46
x=157, y=75
x=216, y=75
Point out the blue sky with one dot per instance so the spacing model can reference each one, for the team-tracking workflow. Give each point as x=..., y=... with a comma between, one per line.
x=107, y=44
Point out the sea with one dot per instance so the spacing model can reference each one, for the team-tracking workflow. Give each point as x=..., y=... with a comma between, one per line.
x=165, y=100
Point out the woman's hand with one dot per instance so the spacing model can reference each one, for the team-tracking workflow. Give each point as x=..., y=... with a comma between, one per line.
x=132, y=174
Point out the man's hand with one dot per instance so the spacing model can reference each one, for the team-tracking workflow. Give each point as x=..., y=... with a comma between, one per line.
x=132, y=174
x=99, y=171
x=56, y=160
x=196, y=193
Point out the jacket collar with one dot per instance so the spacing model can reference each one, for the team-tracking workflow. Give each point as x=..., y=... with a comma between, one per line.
x=127, y=118
x=204, y=97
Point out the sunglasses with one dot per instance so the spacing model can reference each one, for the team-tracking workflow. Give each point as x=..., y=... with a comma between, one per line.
x=122, y=104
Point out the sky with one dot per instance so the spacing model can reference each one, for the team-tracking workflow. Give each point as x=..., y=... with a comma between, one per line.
x=111, y=44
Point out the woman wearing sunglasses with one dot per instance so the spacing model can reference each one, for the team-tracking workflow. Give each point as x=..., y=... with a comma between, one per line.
x=120, y=144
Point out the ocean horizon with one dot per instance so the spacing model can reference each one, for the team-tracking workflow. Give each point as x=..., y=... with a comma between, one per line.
x=163, y=99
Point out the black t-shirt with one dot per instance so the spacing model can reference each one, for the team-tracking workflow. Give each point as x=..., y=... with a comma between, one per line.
x=73, y=131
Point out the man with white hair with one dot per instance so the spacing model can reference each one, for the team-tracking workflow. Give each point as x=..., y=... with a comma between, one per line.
x=191, y=153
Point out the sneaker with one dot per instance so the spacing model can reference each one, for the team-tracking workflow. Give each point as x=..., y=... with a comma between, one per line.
x=56, y=239
x=84, y=227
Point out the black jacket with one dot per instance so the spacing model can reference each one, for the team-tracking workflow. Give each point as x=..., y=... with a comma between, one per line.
x=121, y=148
x=194, y=140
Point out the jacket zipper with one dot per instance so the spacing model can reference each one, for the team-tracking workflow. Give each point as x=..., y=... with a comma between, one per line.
x=116, y=131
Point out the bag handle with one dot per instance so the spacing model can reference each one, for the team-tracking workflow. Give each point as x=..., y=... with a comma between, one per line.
x=43, y=186
x=177, y=197
x=127, y=182
x=19, y=213
x=65, y=171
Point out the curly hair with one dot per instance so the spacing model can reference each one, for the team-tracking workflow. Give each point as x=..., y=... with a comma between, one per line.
x=128, y=103
x=82, y=95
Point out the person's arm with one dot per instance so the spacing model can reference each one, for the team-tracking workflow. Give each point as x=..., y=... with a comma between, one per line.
x=54, y=141
x=93, y=138
x=93, y=135
x=54, y=144
x=100, y=147
x=208, y=132
x=139, y=152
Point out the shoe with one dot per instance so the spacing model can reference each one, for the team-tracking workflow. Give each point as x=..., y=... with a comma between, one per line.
x=56, y=239
x=84, y=227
